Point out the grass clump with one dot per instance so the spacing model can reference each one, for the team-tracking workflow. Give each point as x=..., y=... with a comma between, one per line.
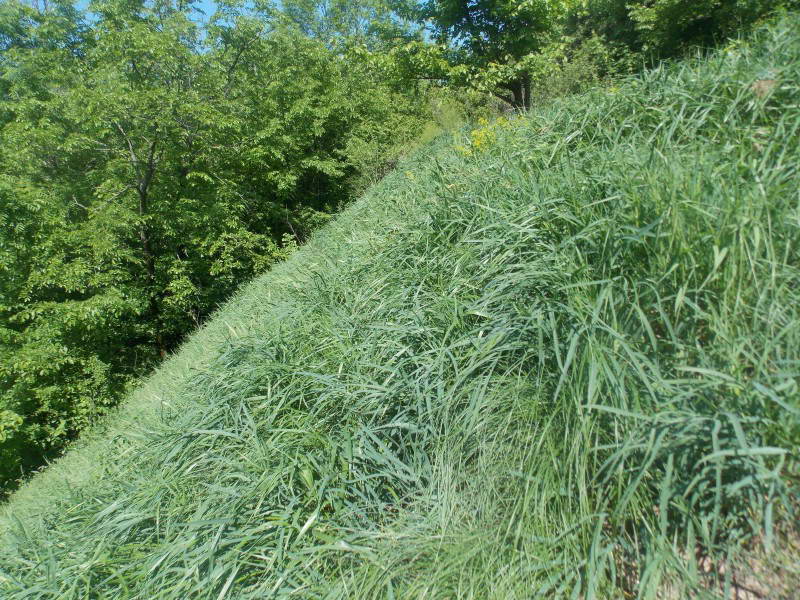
x=563, y=363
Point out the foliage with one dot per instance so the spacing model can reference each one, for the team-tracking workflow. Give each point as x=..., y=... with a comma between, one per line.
x=665, y=28
x=491, y=34
x=374, y=23
x=147, y=167
x=563, y=365
x=668, y=26
x=532, y=50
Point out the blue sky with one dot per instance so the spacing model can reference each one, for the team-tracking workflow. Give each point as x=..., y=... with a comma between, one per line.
x=207, y=6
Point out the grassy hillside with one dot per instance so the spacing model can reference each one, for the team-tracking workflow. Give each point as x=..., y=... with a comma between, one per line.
x=556, y=358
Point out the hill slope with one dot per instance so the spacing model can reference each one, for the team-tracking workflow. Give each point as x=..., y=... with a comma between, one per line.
x=557, y=360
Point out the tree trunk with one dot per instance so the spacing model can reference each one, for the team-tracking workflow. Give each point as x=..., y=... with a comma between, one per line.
x=150, y=268
x=143, y=189
x=520, y=89
x=526, y=91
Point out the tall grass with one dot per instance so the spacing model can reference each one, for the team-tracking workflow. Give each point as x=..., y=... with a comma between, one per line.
x=562, y=362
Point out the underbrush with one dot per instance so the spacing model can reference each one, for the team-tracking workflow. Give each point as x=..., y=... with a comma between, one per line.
x=556, y=358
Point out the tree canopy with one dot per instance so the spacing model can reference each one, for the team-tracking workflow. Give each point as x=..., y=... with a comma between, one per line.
x=148, y=166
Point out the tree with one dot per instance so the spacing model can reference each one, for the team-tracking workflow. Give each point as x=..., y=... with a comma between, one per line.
x=667, y=28
x=373, y=23
x=487, y=34
x=146, y=173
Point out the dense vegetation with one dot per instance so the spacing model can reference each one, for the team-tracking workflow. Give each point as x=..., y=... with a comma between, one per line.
x=152, y=158
x=555, y=356
x=148, y=167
